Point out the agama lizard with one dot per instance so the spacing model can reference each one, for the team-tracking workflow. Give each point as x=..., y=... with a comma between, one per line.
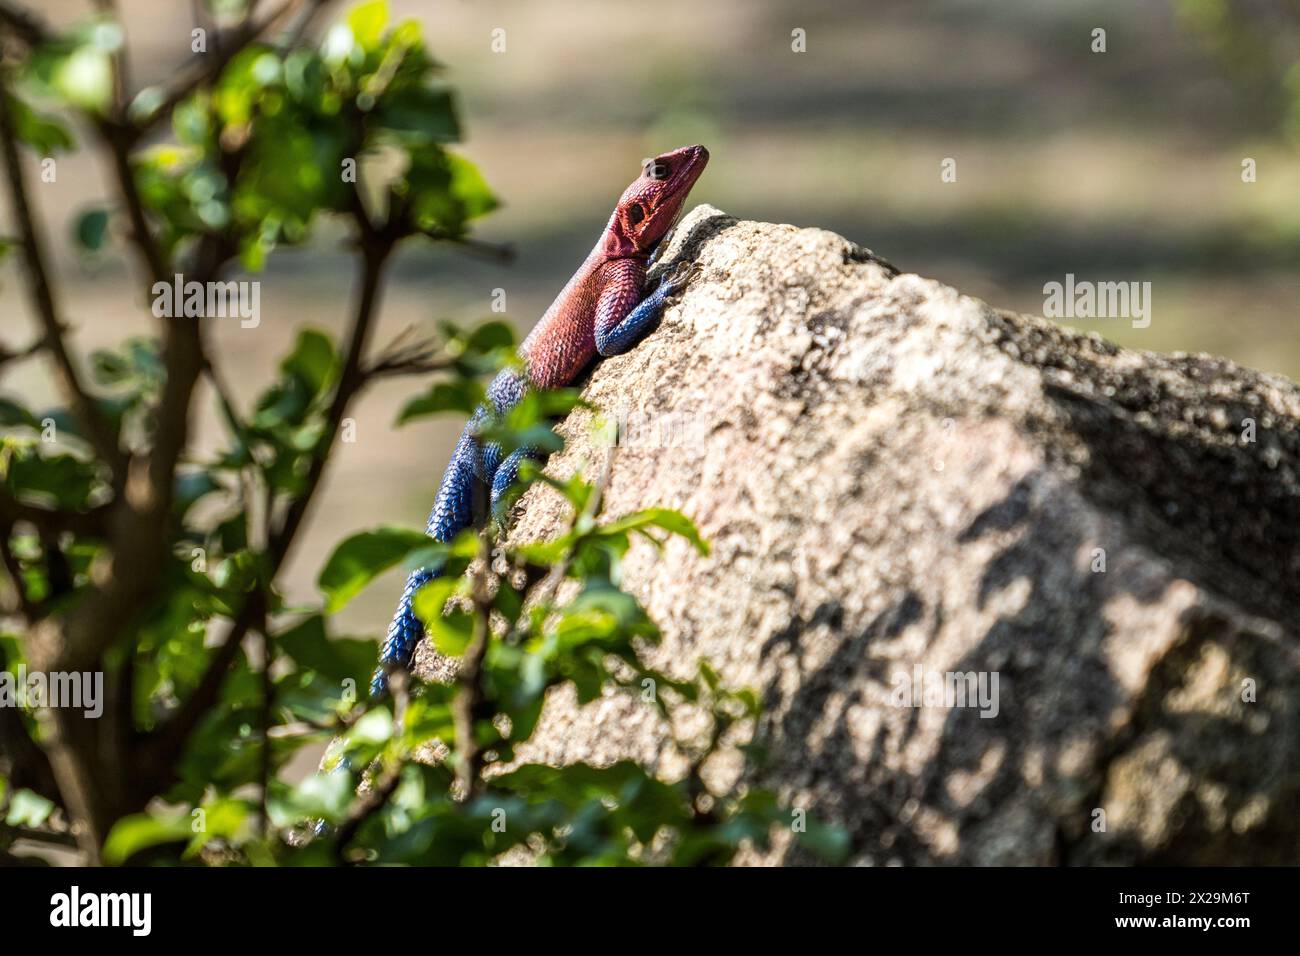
x=603, y=310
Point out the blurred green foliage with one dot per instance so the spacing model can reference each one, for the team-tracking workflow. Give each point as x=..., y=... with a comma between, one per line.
x=255, y=160
x=1259, y=45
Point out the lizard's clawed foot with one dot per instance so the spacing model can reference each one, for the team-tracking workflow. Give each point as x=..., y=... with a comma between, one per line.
x=681, y=274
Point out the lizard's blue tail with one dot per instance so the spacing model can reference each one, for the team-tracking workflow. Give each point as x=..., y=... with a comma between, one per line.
x=404, y=632
x=453, y=511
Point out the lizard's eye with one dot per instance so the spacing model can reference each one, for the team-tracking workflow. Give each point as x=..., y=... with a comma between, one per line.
x=656, y=169
x=635, y=213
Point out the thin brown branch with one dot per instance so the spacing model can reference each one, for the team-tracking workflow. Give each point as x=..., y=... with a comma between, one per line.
x=122, y=708
x=89, y=789
x=267, y=719
x=471, y=703
x=374, y=257
x=208, y=66
x=119, y=141
x=377, y=797
x=24, y=24
x=121, y=70
x=498, y=252
x=96, y=427
x=138, y=548
x=89, y=523
x=173, y=735
x=224, y=397
x=22, y=761
x=58, y=571
x=294, y=33
x=43, y=835
x=401, y=357
x=27, y=351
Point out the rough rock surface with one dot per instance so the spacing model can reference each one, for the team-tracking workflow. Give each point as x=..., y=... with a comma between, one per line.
x=895, y=476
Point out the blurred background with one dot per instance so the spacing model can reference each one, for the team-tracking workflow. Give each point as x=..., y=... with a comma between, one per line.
x=1117, y=166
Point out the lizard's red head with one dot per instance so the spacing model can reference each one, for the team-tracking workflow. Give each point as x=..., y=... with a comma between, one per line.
x=649, y=207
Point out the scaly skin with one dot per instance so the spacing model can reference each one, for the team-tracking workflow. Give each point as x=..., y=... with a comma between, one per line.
x=603, y=310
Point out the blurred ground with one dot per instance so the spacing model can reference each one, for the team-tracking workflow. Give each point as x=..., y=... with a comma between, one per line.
x=1122, y=166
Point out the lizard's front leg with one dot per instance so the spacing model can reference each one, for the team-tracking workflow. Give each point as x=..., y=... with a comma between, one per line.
x=620, y=318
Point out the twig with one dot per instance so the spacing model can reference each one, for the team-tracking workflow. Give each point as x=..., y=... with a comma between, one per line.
x=499, y=252
x=267, y=710
x=57, y=570
x=89, y=523
x=471, y=703
x=27, y=351
x=375, y=255
x=551, y=584
x=371, y=802
x=224, y=399
x=123, y=731
x=209, y=66
x=119, y=141
x=295, y=32
x=22, y=760
x=96, y=426
x=173, y=734
x=42, y=835
x=24, y=24
x=121, y=71
x=400, y=358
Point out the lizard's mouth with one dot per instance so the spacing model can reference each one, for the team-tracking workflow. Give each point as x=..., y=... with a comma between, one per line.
x=697, y=157
x=688, y=165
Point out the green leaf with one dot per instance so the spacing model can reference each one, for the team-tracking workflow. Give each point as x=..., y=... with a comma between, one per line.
x=420, y=117
x=323, y=796
x=602, y=615
x=313, y=360
x=709, y=676
x=445, y=192
x=339, y=659
x=491, y=336
x=11, y=651
x=224, y=819
x=450, y=630
x=91, y=229
x=577, y=491
x=62, y=480
x=85, y=77
x=140, y=831
x=460, y=395
x=375, y=727
x=672, y=521
x=28, y=809
x=470, y=188
x=12, y=414
x=42, y=133
x=242, y=84
x=831, y=843
x=367, y=22
x=136, y=366
x=359, y=559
